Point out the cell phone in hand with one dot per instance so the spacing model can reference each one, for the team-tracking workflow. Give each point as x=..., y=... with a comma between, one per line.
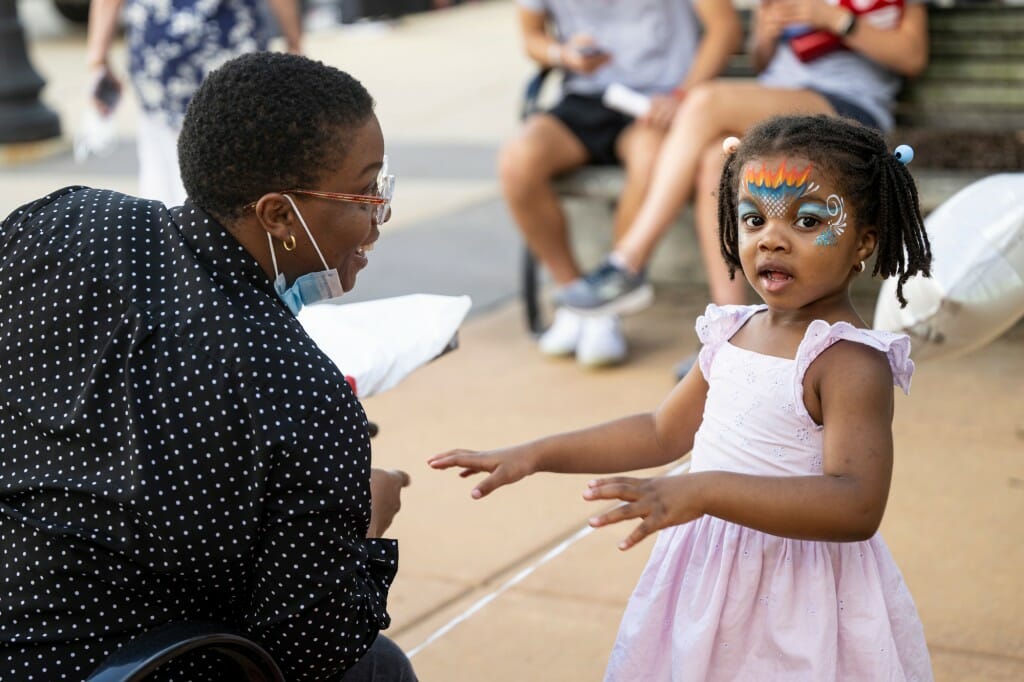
x=107, y=91
x=591, y=51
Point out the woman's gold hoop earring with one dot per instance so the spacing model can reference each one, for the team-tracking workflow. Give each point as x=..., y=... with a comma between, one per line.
x=289, y=245
x=858, y=268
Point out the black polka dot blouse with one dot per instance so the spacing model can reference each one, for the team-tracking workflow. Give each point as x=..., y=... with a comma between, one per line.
x=173, y=446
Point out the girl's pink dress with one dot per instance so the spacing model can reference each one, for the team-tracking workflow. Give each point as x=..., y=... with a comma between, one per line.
x=720, y=601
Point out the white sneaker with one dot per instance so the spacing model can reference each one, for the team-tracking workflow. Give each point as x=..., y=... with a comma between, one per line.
x=601, y=342
x=562, y=337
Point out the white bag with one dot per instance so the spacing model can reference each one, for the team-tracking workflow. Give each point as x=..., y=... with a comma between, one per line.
x=976, y=291
x=379, y=343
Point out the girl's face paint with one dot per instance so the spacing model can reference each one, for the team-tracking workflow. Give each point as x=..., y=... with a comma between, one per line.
x=787, y=211
x=777, y=188
x=836, y=207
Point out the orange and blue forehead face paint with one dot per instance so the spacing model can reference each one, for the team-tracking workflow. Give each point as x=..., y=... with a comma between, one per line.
x=776, y=189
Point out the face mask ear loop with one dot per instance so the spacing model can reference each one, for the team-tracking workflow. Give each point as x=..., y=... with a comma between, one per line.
x=306, y=228
x=273, y=256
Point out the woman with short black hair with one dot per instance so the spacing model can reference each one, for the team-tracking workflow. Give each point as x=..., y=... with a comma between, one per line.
x=173, y=445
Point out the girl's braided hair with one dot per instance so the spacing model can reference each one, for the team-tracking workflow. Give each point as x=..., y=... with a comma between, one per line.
x=876, y=185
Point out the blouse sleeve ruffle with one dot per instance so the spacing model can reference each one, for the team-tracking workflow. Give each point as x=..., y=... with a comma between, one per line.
x=821, y=335
x=716, y=326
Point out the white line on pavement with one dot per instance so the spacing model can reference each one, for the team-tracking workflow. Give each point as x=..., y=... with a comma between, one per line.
x=519, y=577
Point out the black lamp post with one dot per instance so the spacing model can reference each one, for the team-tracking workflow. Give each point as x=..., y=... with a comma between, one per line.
x=23, y=117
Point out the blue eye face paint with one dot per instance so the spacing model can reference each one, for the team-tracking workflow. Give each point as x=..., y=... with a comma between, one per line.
x=746, y=206
x=814, y=210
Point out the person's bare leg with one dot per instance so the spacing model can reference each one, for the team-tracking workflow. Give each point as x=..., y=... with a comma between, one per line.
x=710, y=111
x=722, y=290
x=638, y=148
x=601, y=341
x=544, y=149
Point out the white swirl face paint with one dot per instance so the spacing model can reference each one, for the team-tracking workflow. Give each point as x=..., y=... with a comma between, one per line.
x=836, y=207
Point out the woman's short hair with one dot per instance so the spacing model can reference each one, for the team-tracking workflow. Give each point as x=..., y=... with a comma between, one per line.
x=266, y=122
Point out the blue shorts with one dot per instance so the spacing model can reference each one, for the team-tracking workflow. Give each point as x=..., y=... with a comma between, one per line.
x=848, y=109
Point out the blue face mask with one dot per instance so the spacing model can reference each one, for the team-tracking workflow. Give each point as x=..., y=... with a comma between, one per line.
x=309, y=288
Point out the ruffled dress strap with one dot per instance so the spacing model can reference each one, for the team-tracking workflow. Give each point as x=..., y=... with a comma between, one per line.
x=820, y=335
x=716, y=326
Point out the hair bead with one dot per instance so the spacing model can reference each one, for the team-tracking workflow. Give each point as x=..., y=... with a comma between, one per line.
x=904, y=154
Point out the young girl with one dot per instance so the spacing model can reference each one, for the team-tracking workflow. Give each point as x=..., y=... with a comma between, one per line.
x=770, y=567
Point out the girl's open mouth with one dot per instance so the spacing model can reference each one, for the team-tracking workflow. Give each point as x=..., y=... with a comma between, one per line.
x=774, y=280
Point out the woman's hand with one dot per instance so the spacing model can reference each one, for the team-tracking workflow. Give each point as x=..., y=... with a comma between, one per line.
x=505, y=466
x=771, y=21
x=660, y=502
x=663, y=110
x=385, y=498
x=582, y=55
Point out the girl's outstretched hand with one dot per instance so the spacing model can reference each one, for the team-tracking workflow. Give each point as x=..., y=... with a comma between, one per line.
x=660, y=502
x=505, y=466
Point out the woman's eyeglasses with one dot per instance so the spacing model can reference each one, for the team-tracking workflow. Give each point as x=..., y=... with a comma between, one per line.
x=381, y=198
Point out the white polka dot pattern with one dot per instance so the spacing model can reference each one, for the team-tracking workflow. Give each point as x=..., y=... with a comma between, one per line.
x=172, y=446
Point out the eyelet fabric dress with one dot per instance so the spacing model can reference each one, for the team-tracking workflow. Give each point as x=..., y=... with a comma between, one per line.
x=720, y=601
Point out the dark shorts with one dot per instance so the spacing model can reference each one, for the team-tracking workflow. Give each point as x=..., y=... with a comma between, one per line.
x=594, y=124
x=848, y=109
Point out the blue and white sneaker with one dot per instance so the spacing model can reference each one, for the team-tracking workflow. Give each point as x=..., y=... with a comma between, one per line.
x=608, y=290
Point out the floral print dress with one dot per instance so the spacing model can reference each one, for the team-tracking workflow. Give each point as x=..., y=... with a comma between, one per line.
x=173, y=44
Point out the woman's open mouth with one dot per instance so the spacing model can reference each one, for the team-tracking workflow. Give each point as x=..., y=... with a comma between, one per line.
x=361, y=258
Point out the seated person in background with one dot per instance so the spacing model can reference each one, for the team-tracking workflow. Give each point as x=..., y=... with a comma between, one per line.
x=860, y=81
x=661, y=48
x=176, y=447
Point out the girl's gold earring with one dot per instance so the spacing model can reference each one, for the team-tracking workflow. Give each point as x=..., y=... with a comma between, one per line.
x=858, y=268
x=289, y=245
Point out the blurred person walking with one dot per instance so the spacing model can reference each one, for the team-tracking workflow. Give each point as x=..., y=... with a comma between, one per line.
x=172, y=46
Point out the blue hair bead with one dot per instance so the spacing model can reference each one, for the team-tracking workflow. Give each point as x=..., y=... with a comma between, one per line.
x=904, y=154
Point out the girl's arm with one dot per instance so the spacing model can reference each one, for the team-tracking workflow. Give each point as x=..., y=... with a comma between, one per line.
x=852, y=384
x=636, y=442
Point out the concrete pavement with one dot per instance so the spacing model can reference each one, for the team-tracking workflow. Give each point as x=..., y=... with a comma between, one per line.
x=952, y=522
x=447, y=86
